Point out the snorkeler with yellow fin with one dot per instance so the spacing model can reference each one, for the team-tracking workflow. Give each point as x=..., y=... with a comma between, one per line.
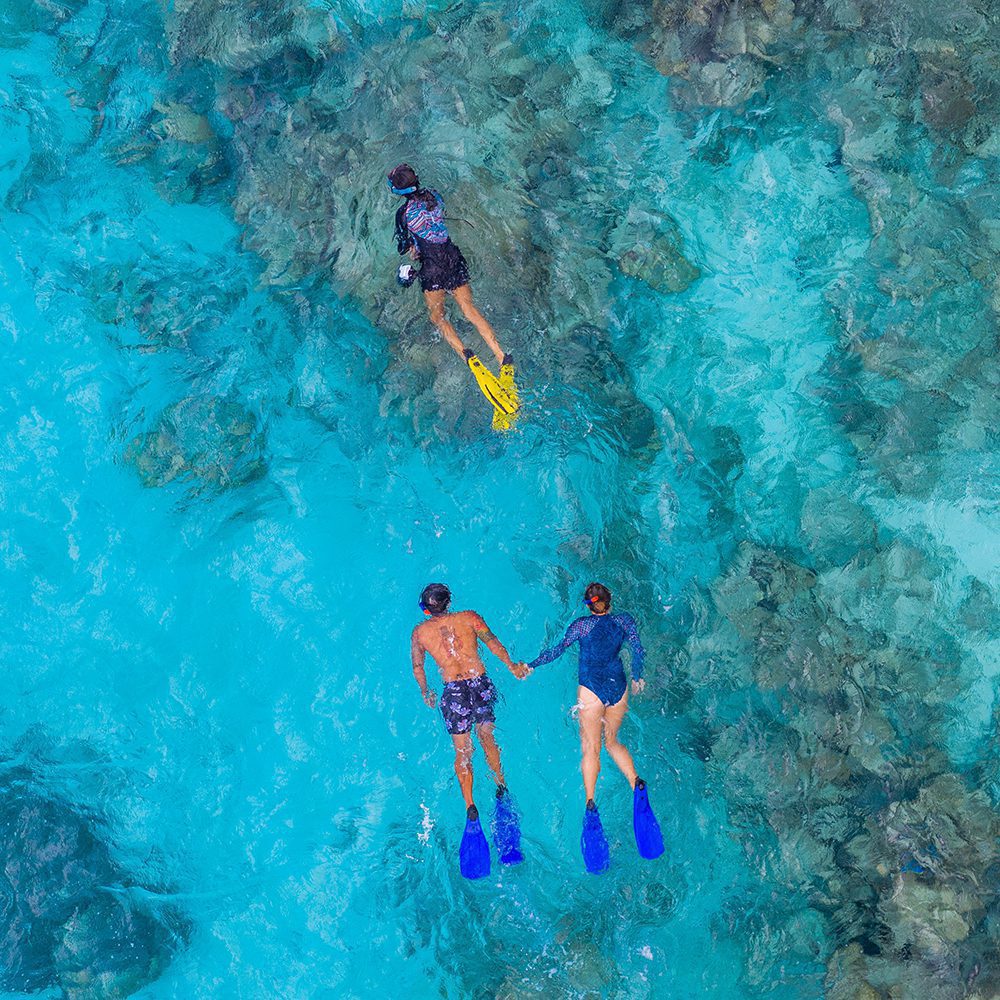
x=421, y=232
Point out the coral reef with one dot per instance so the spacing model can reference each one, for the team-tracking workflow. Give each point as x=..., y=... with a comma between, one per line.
x=875, y=829
x=829, y=601
x=70, y=918
x=216, y=442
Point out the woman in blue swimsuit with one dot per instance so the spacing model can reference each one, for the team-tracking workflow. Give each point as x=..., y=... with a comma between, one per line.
x=422, y=233
x=603, y=692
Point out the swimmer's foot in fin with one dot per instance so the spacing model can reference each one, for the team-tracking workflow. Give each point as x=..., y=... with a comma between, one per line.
x=490, y=386
x=507, y=379
x=648, y=837
x=504, y=421
x=474, y=854
x=593, y=843
x=507, y=829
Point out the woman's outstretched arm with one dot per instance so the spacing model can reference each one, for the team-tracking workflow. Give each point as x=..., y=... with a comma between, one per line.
x=554, y=652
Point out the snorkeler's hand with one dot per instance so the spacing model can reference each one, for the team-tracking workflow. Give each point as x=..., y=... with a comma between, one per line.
x=414, y=253
x=638, y=686
x=520, y=670
x=430, y=699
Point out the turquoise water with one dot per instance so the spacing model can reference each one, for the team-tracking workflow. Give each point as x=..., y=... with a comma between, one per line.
x=756, y=323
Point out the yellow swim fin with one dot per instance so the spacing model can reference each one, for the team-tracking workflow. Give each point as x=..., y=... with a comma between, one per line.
x=505, y=421
x=506, y=380
x=491, y=387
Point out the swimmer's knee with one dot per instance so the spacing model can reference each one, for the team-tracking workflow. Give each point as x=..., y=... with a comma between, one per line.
x=437, y=315
x=469, y=311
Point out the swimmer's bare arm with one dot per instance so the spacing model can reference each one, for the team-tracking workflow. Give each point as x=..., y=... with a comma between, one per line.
x=417, y=653
x=496, y=647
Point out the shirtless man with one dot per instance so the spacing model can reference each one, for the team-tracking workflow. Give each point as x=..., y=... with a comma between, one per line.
x=467, y=700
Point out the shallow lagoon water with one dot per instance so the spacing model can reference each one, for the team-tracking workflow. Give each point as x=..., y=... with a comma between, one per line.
x=757, y=333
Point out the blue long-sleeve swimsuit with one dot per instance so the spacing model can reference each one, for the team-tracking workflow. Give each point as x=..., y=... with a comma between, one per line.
x=601, y=638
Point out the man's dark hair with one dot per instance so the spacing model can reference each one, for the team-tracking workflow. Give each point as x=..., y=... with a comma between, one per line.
x=435, y=598
x=404, y=176
x=597, y=596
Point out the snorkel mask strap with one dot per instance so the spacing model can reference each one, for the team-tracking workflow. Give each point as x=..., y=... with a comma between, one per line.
x=402, y=192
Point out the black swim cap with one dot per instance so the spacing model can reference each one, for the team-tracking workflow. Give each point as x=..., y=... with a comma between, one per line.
x=404, y=177
x=435, y=598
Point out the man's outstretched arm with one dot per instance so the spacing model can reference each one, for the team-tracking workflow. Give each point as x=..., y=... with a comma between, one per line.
x=417, y=653
x=496, y=647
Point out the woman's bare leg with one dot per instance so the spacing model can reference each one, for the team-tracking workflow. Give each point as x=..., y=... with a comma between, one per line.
x=591, y=710
x=435, y=306
x=463, y=296
x=613, y=716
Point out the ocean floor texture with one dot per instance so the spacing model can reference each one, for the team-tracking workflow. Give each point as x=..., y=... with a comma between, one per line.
x=746, y=259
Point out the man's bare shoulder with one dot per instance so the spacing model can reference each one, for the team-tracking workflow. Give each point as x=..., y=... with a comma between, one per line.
x=471, y=619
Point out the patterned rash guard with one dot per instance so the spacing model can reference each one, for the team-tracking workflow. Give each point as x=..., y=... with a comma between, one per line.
x=442, y=266
x=423, y=224
x=601, y=638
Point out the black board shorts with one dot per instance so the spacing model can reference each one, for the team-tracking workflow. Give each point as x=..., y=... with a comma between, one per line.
x=442, y=266
x=465, y=704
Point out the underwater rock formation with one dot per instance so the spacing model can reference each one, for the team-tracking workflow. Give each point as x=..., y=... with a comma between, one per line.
x=875, y=828
x=216, y=442
x=720, y=53
x=68, y=918
x=648, y=248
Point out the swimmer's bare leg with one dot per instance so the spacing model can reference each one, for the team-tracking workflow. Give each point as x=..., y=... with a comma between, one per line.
x=492, y=750
x=435, y=306
x=591, y=715
x=463, y=764
x=463, y=296
x=613, y=716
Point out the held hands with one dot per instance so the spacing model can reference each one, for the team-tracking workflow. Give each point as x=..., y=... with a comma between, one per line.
x=638, y=686
x=520, y=670
x=430, y=699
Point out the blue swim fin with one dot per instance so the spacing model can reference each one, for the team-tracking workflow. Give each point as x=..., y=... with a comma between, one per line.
x=648, y=837
x=593, y=843
x=474, y=854
x=507, y=829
